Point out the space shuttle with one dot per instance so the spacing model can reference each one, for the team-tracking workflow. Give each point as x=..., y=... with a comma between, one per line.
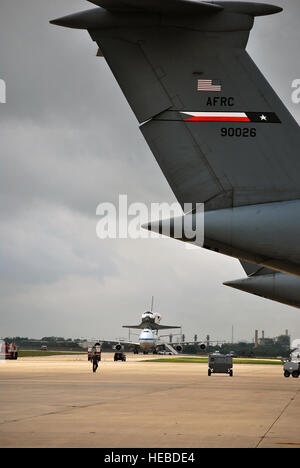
x=151, y=320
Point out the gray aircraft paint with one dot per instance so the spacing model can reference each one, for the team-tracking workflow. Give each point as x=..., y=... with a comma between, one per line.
x=269, y=284
x=276, y=286
x=250, y=232
x=249, y=184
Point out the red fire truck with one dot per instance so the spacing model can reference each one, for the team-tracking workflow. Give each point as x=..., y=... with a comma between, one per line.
x=8, y=351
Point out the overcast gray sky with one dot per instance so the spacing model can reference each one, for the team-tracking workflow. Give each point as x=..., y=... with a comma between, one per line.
x=69, y=141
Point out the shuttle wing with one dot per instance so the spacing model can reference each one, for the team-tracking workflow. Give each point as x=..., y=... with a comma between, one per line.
x=166, y=327
x=135, y=327
x=152, y=325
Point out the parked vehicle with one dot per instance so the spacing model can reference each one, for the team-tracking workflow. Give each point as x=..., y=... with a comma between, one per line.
x=119, y=356
x=9, y=351
x=291, y=368
x=220, y=364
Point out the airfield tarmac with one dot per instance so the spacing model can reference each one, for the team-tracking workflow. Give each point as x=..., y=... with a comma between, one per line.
x=59, y=402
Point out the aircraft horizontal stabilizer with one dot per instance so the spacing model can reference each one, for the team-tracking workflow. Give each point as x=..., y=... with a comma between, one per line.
x=93, y=19
x=269, y=284
x=174, y=6
x=188, y=6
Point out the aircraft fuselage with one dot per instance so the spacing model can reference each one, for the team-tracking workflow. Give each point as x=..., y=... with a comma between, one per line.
x=148, y=340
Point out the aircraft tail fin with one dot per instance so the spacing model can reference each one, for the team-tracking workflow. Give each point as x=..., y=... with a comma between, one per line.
x=217, y=129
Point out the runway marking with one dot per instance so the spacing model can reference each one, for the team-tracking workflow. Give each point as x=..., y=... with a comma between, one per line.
x=277, y=419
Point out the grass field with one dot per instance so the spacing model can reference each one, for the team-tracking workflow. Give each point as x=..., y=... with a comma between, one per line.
x=204, y=360
x=38, y=353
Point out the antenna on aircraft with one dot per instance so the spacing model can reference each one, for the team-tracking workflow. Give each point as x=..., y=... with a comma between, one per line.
x=152, y=303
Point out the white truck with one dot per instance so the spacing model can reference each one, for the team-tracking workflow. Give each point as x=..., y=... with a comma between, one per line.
x=292, y=366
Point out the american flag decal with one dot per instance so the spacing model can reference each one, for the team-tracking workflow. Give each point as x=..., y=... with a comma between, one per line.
x=209, y=86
